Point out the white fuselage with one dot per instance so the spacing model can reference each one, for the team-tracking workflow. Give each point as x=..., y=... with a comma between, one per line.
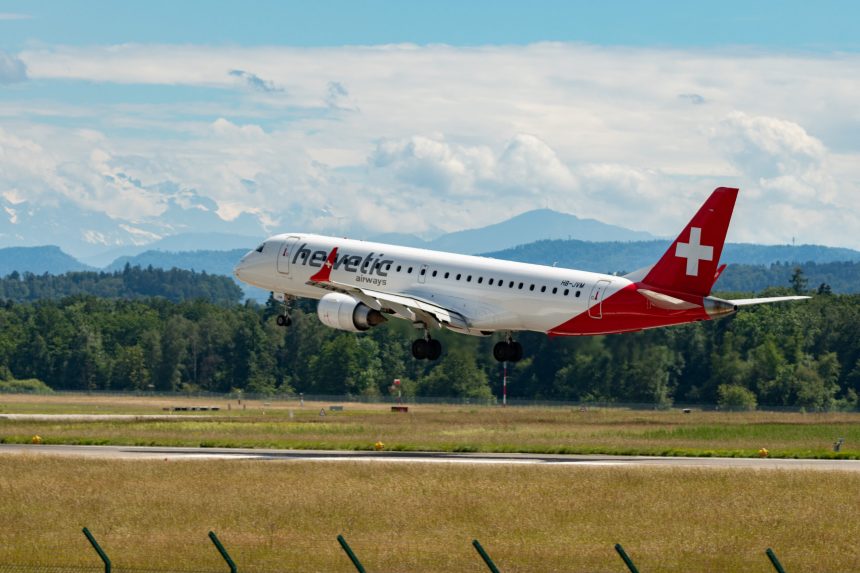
x=494, y=294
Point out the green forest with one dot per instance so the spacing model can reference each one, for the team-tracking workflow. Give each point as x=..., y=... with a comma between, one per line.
x=129, y=283
x=800, y=355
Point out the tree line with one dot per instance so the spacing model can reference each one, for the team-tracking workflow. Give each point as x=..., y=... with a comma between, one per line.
x=129, y=283
x=803, y=354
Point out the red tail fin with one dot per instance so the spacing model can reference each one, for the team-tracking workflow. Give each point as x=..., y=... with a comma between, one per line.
x=690, y=264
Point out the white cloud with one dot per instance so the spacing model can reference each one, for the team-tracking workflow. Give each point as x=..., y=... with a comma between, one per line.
x=394, y=137
x=255, y=82
x=767, y=146
x=12, y=69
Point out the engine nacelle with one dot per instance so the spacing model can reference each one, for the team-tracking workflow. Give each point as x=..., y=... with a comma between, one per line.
x=343, y=312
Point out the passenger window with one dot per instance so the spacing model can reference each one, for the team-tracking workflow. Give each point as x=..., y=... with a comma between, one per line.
x=409, y=271
x=423, y=272
x=543, y=288
x=532, y=287
x=398, y=268
x=388, y=267
x=480, y=280
x=458, y=276
x=511, y=285
x=554, y=290
x=521, y=286
x=434, y=273
x=577, y=294
x=447, y=275
x=490, y=282
x=469, y=279
x=566, y=292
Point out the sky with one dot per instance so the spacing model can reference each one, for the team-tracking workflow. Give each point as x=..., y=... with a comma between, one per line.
x=130, y=121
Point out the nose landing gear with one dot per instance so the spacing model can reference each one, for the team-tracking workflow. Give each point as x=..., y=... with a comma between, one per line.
x=284, y=319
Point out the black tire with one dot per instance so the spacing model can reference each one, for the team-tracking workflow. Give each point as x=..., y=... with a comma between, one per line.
x=515, y=352
x=434, y=350
x=500, y=351
x=281, y=320
x=420, y=349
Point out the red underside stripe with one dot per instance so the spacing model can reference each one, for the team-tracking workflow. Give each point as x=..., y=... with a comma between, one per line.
x=626, y=311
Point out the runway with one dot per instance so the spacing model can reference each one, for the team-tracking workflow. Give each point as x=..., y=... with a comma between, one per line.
x=298, y=456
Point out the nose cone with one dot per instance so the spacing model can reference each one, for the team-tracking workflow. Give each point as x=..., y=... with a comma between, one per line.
x=237, y=270
x=242, y=270
x=254, y=269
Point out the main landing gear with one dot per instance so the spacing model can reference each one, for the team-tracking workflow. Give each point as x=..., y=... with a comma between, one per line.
x=508, y=351
x=427, y=348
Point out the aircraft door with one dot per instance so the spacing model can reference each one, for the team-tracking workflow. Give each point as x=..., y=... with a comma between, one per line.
x=595, y=300
x=422, y=274
x=287, y=252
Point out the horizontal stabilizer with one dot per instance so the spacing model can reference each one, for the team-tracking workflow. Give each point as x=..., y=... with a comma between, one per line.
x=766, y=300
x=665, y=301
x=639, y=274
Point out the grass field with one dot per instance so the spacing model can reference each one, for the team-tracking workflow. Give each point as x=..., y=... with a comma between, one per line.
x=276, y=516
x=435, y=428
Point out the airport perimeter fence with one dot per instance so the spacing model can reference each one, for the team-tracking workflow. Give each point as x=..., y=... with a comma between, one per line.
x=299, y=399
x=108, y=566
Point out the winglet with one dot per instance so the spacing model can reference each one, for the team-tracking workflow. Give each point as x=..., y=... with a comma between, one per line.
x=324, y=274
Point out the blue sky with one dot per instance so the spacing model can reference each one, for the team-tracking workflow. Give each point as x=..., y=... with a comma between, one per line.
x=774, y=24
x=123, y=122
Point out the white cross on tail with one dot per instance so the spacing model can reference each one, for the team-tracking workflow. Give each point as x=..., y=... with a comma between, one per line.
x=694, y=251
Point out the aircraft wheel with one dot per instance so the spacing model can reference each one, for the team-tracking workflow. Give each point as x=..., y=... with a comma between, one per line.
x=434, y=349
x=515, y=352
x=500, y=351
x=420, y=349
x=508, y=351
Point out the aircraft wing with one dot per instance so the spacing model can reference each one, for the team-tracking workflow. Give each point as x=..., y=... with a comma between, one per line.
x=410, y=307
x=766, y=300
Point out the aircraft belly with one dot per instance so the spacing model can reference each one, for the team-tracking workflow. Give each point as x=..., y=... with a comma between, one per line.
x=625, y=310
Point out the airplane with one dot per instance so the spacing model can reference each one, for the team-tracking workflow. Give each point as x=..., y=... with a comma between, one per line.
x=361, y=284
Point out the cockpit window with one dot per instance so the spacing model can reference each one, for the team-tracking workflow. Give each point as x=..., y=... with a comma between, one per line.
x=260, y=248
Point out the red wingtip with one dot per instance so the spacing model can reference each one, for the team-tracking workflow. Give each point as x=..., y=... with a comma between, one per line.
x=324, y=274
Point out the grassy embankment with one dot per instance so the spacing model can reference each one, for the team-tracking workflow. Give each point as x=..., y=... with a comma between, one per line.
x=276, y=516
x=436, y=428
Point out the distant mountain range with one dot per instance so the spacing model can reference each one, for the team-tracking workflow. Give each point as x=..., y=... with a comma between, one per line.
x=566, y=241
x=184, y=242
x=540, y=224
x=617, y=257
x=91, y=234
x=189, y=221
x=38, y=260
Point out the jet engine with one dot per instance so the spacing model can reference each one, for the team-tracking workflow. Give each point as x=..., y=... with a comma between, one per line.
x=343, y=312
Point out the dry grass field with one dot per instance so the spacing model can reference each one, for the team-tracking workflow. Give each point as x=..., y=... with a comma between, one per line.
x=285, y=516
x=433, y=427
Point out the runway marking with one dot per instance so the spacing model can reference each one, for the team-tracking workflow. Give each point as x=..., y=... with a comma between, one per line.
x=96, y=417
x=294, y=456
